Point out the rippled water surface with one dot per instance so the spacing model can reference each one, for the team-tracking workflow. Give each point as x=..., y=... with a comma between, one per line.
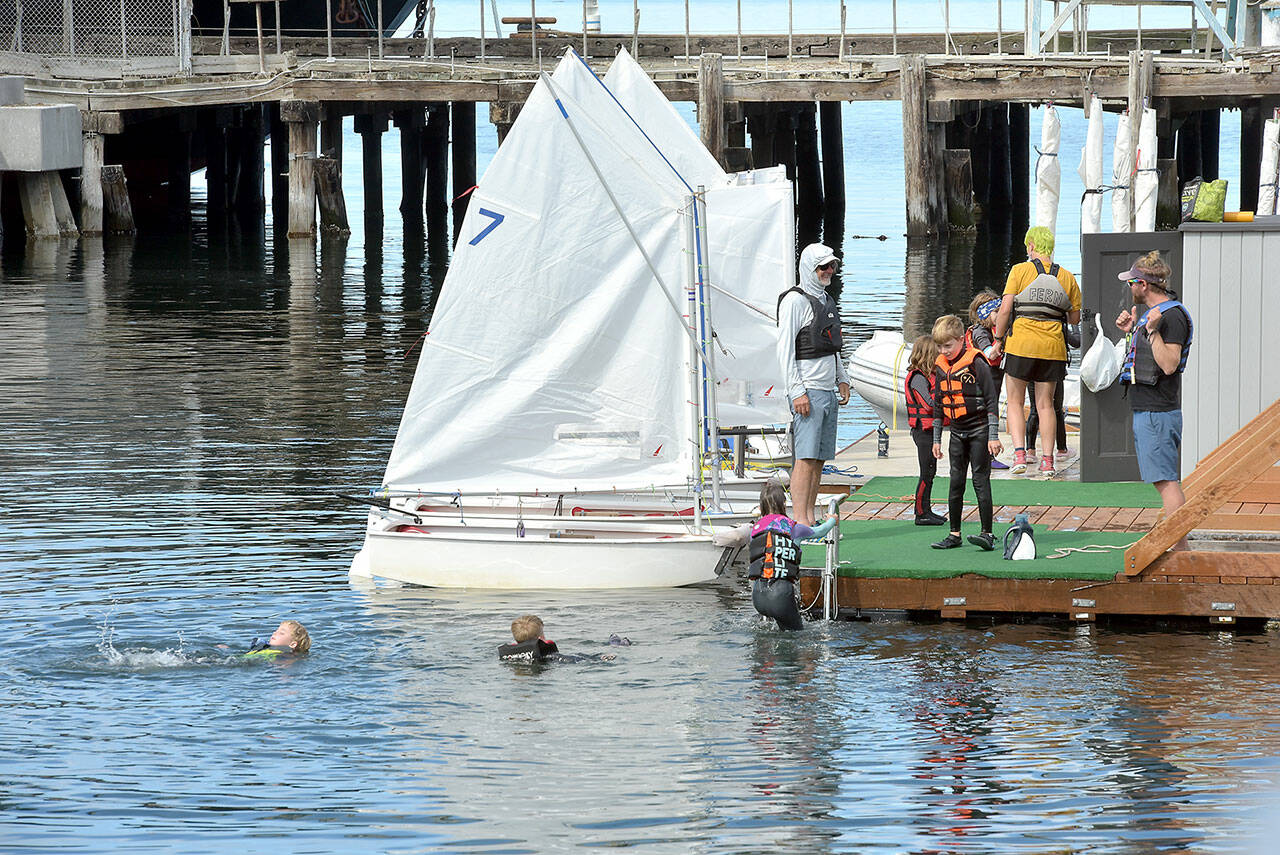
x=177, y=412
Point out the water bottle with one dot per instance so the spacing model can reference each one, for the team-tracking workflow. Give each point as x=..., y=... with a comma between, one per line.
x=882, y=440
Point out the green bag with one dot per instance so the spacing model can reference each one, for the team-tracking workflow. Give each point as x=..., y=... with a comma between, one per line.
x=1204, y=201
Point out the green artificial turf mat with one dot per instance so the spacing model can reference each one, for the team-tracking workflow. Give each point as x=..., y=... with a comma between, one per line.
x=1019, y=491
x=900, y=549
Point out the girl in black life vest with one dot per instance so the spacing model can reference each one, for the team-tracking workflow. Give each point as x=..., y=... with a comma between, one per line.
x=919, y=385
x=967, y=397
x=775, y=557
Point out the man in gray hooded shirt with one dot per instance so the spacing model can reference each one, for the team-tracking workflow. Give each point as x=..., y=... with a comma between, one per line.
x=809, y=342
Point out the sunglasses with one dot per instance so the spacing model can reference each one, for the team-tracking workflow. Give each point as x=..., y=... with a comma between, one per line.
x=830, y=265
x=1136, y=281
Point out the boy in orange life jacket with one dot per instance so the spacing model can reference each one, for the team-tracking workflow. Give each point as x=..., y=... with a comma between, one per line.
x=967, y=398
x=919, y=386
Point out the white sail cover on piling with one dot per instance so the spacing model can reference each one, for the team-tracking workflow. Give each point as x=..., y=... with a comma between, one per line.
x=1048, y=171
x=1267, y=174
x=1147, y=182
x=1091, y=171
x=1121, y=169
x=751, y=249
x=553, y=360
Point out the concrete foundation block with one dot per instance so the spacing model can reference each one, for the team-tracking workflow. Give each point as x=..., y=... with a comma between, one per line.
x=40, y=139
x=11, y=91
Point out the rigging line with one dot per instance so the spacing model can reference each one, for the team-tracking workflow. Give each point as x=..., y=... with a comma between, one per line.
x=662, y=285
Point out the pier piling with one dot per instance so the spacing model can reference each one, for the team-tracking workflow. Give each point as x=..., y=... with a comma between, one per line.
x=371, y=127
x=463, y=116
x=832, y=129
x=117, y=210
x=91, y=180
x=711, y=104
x=303, y=119
x=959, y=174
x=436, y=153
x=1020, y=166
x=333, y=207
x=279, y=169
x=921, y=148
x=809, y=195
x=411, y=122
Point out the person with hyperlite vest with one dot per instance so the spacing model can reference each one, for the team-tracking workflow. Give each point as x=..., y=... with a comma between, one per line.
x=1039, y=296
x=775, y=557
x=980, y=336
x=919, y=385
x=1160, y=328
x=966, y=397
x=809, y=342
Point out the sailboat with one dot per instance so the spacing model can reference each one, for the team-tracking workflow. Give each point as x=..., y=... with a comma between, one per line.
x=572, y=352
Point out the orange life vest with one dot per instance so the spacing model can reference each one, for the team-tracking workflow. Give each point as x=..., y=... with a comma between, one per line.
x=961, y=394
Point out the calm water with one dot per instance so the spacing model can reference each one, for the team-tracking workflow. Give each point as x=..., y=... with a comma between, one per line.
x=177, y=411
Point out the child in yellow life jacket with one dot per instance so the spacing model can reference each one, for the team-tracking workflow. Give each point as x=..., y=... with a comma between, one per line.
x=919, y=385
x=775, y=557
x=289, y=639
x=966, y=396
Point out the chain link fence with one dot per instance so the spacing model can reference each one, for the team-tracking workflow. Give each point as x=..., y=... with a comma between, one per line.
x=98, y=29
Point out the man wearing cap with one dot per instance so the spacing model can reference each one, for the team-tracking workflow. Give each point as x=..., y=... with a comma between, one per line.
x=809, y=342
x=1158, y=350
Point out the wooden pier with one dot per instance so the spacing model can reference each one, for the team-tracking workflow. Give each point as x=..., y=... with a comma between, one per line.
x=764, y=100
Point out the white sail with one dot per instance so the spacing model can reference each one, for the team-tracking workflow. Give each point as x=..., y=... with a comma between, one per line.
x=554, y=359
x=751, y=248
x=1091, y=171
x=1270, y=164
x=1121, y=173
x=1147, y=181
x=1048, y=171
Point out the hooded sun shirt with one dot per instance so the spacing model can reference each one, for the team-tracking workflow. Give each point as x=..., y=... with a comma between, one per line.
x=795, y=313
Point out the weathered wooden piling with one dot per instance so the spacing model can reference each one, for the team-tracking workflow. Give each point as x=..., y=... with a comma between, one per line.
x=333, y=207
x=809, y=195
x=1020, y=166
x=279, y=168
x=44, y=205
x=371, y=127
x=179, y=168
x=1251, y=122
x=1000, y=197
x=711, y=104
x=91, y=173
x=832, y=128
x=117, y=209
x=921, y=147
x=463, y=116
x=435, y=151
x=762, y=126
x=784, y=138
x=503, y=115
x=215, y=165
x=303, y=119
x=959, y=183
x=250, y=138
x=411, y=122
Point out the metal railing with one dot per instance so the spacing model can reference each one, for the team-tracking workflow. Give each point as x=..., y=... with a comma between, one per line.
x=99, y=29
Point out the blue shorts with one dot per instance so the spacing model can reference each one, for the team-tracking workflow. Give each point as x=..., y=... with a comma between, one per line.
x=1158, y=438
x=813, y=437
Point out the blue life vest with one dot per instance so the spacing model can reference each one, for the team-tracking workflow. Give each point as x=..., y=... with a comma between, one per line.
x=1139, y=362
x=774, y=554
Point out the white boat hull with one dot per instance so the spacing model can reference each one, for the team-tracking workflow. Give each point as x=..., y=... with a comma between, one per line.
x=878, y=371
x=505, y=562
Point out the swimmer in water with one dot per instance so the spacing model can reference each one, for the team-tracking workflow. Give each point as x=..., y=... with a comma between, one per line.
x=531, y=646
x=775, y=557
x=289, y=639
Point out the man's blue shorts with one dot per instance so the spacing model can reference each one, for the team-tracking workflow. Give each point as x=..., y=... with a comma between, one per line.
x=813, y=437
x=1158, y=438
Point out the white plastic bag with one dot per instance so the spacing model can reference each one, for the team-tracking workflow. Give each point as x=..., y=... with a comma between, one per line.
x=1099, y=367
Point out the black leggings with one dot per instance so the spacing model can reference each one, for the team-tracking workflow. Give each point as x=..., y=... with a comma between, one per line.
x=928, y=469
x=776, y=598
x=970, y=452
x=1059, y=408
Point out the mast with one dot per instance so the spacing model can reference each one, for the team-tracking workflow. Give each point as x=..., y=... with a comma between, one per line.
x=711, y=414
x=693, y=320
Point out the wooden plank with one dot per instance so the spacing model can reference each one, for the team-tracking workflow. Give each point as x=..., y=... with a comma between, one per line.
x=1251, y=508
x=1053, y=517
x=1224, y=564
x=895, y=510
x=1232, y=449
x=1124, y=517
x=1074, y=518
x=1099, y=519
x=1006, y=513
x=1147, y=519
x=1242, y=522
x=1035, y=513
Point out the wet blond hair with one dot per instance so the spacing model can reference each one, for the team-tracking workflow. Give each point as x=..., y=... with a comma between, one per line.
x=299, y=634
x=947, y=328
x=526, y=628
x=986, y=295
x=1155, y=267
x=924, y=354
